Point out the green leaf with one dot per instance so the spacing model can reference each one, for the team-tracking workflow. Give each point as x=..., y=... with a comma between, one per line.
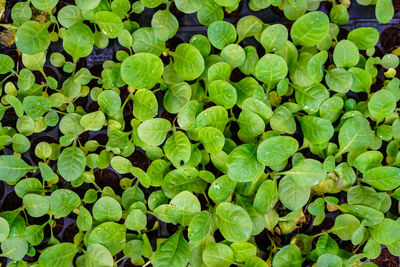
x=6, y=64
x=294, y=9
x=188, y=62
x=45, y=5
x=346, y=54
x=221, y=34
x=188, y=6
x=179, y=180
x=316, y=130
x=109, y=234
x=248, y=26
x=21, y=12
x=107, y=209
x=362, y=80
x=221, y=189
x=145, y=105
x=60, y=255
x=233, y=222
x=165, y=24
x=368, y=160
x=151, y=3
x=183, y=207
x=32, y=38
x=266, y=196
x=292, y=194
x=14, y=248
x=199, y=226
x=218, y=255
x=177, y=148
x=289, y=255
x=12, y=168
x=177, y=96
x=283, y=121
x=97, y=255
x=310, y=98
x=213, y=139
x=274, y=38
x=34, y=62
x=93, y=121
x=71, y=163
x=121, y=165
x=78, y=41
x=310, y=29
x=243, y=165
x=315, y=66
x=364, y=37
x=369, y=216
x=384, y=11
x=110, y=24
x=250, y=123
x=383, y=178
x=243, y=250
x=307, y=172
x=201, y=43
x=257, y=106
x=276, y=149
x=172, y=252
x=270, y=69
x=109, y=102
x=329, y=260
x=154, y=131
x=339, y=80
x=63, y=201
x=16, y=104
x=69, y=15
x=346, y=174
x=214, y=116
x=142, y=176
x=34, y=234
x=136, y=220
x=36, y=106
x=345, y=225
x=387, y=232
x=142, y=70
x=209, y=12
x=381, y=104
x=4, y=229
x=145, y=40
x=36, y=205
x=84, y=220
x=355, y=135
x=222, y=93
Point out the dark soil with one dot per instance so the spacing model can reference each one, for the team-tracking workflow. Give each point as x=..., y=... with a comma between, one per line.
x=390, y=39
x=396, y=4
x=12, y=202
x=386, y=259
x=106, y=177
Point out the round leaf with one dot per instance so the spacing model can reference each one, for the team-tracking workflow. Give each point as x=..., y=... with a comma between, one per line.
x=188, y=62
x=32, y=37
x=154, y=131
x=243, y=165
x=233, y=222
x=71, y=163
x=107, y=209
x=78, y=41
x=142, y=70
x=277, y=149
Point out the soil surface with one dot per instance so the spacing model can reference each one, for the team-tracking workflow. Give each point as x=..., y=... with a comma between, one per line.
x=386, y=259
x=390, y=39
